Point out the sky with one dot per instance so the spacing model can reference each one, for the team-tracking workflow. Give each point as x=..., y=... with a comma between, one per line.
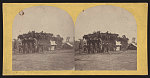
x=44, y=18
x=106, y=18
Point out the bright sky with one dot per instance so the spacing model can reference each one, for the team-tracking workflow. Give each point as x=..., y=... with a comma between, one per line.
x=106, y=18
x=44, y=18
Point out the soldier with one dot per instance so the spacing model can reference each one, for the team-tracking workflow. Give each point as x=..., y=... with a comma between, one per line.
x=20, y=47
x=88, y=45
x=26, y=48
x=84, y=45
x=96, y=47
x=23, y=45
x=35, y=45
x=91, y=48
x=80, y=46
x=104, y=47
x=107, y=47
x=100, y=45
x=30, y=47
x=96, y=43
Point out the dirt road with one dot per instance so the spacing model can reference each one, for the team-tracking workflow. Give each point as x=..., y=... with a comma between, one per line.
x=126, y=60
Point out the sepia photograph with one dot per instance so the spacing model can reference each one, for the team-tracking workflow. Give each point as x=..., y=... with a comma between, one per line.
x=42, y=39
x=105, y=39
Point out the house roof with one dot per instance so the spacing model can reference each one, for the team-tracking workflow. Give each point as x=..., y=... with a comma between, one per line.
x=69, y=44
x=134, y=44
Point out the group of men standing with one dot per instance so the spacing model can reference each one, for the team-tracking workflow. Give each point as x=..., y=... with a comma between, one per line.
x=32, y=42
x=98, y=43
x=27, y=45
x=94, y=46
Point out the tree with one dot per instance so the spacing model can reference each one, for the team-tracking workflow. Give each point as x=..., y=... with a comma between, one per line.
x=67, y=39
x=133, y=40
x=124, y=42
x=59, y=40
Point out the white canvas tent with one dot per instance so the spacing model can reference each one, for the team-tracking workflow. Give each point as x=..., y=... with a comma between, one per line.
x=53, y=45
x=118, y=44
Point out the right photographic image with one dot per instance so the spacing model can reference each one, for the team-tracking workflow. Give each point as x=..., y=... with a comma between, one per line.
x=105, y=39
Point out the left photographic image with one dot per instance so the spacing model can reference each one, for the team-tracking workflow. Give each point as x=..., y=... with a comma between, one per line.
x=43, y=38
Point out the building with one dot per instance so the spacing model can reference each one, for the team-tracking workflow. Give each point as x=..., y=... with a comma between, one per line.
x=67, y=45
x=132, y=46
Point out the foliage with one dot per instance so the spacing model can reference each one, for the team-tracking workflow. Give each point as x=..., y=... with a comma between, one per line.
x=42, y=36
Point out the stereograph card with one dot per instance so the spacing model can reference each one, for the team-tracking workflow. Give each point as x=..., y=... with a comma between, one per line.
x=75, y=39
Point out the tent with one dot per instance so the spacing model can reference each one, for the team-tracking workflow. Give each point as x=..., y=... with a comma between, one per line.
x=118, y=45
x=53, y=45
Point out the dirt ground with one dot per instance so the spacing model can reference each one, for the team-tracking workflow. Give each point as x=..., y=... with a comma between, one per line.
x=121, y=60
x=64, y=60
x=54, y=60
